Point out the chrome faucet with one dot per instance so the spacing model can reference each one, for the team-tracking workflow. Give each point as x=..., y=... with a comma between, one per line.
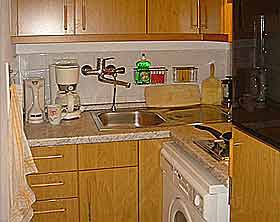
x=102, y=71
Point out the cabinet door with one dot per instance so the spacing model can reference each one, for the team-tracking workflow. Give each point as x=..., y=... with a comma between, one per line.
x=255, y=180
x=109, y=195
x=150, y=181
x=172, y=16
x=45, y=17
x=110, y=16
x=212, y=16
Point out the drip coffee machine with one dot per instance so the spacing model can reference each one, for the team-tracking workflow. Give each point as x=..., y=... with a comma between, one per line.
x=67, y=79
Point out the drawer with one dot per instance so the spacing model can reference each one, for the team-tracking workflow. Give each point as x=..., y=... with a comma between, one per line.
x=56, y=210
x=55, y=159
x=54, y=185
x=108, y=155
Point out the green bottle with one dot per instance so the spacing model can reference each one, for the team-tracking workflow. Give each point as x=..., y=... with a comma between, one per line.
x=143, y=71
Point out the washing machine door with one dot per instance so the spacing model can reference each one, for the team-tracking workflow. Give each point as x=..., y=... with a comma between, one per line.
x=179, y=212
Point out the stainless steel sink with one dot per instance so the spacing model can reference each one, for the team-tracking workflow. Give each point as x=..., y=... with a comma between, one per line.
x=126, y=119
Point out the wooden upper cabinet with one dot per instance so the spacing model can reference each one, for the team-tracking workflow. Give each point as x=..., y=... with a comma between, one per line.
x=212, y=16
x=172, y=16
x=110, y=16
x=44, y=17
x=185, y=16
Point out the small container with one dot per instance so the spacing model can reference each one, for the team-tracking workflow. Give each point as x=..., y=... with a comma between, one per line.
x=55, y=114
x=157, y=75
x=185, y=74
x=142, y=75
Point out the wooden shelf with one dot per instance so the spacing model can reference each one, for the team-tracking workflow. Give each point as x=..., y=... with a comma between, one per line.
x=117, y=38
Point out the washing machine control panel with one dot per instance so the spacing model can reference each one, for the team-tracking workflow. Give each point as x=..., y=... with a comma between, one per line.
x=191, y=194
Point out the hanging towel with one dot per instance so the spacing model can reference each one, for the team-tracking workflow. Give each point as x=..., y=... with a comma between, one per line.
x=21, y=162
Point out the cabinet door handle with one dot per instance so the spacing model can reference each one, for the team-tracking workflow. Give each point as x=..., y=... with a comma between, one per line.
x=198, y=15
x=194, y=25
x=65, y=14
x=62, y=210
x=230, y=190
x=48, y=157
x=47, y=184
x=84, y=15
x=205, y=25
x=89, y=193
x=237, y=144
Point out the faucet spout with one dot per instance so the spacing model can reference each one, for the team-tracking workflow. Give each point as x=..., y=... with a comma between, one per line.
x=102, y=71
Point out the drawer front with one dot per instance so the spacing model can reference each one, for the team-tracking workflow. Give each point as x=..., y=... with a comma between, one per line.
x=108, y=155
x=56, y=210
x=55, y=159
x=54, y=185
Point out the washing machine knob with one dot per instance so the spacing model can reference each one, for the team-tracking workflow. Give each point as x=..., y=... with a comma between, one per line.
x=197, y=200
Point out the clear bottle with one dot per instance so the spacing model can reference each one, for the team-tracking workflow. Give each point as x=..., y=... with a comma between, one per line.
x=143, y=71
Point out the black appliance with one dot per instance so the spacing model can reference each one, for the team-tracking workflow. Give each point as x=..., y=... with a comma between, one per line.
x=227, y=91
x=217, y=148
x=256, y=68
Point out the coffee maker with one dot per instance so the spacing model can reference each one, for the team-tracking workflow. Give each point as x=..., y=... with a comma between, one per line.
x=67, y=78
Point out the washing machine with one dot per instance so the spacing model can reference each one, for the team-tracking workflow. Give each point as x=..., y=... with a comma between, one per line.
x=190, y=192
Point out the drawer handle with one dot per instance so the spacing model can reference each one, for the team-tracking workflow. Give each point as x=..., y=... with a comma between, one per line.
x=47, y=184
x=48, y=157
x=62, y=210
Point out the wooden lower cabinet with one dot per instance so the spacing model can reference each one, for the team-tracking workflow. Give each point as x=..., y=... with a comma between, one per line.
x=54, y=185
x=255, y=194
x=108, y=155
x=150, y=181
x=109, y=195
x=56, y=210
x=116, y=182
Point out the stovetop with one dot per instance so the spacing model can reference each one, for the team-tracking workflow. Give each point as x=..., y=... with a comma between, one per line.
x=216, y=148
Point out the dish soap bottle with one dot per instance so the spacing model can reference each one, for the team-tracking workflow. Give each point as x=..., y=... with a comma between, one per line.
x=143, y=71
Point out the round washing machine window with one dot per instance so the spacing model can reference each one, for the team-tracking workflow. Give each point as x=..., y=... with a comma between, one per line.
x=179, y=212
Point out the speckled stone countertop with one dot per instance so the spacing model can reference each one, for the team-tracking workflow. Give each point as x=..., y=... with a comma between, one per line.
x=84, y=130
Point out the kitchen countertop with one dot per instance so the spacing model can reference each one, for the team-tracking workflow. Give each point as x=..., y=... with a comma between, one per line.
x=84, y=130
x=185, y=135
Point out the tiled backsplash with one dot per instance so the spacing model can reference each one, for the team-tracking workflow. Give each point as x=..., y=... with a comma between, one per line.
x=94, y=92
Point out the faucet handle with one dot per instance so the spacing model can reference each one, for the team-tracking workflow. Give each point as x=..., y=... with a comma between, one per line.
x=98, y=63
x=120, y=70
x=104, y=61
x=108, y=58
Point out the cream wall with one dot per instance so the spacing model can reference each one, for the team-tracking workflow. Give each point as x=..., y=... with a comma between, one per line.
x=35, y=59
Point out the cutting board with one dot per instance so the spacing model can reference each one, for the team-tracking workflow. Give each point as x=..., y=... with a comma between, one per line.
x=211, y=89
x=174, y=95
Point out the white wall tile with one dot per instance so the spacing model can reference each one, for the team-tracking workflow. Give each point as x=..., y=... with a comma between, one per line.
x=92, y=91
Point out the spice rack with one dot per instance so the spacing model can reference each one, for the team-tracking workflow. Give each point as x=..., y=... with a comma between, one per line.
x=185, y=74
x=158, y=75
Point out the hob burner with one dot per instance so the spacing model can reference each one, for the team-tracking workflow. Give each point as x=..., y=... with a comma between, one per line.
x=216, y=148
